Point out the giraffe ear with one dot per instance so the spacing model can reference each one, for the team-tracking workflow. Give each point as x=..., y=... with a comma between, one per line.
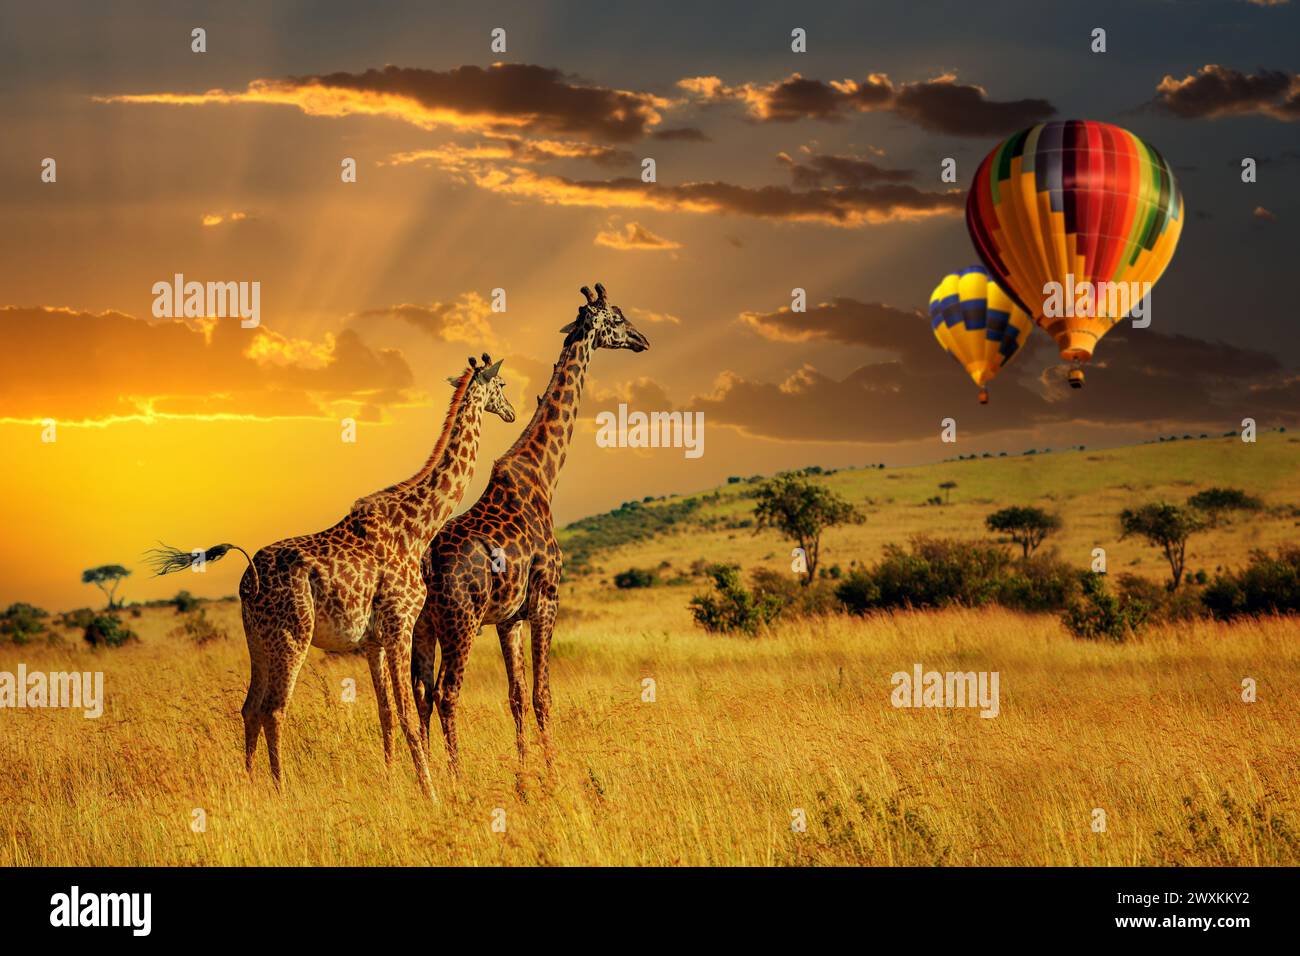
x=490, y=372
x=570, y=327
x=454, y=381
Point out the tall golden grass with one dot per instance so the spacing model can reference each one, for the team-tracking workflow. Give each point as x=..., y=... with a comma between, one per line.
x=741, y=734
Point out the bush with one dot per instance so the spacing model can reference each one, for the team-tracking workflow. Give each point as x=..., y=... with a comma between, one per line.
x=197, y=628
x=1099, y=614
x=933, y=572
x=793, y=597
x=732, y=607
x=1267, y=585
x=1039, y=583
x=635, y=578
x=184, y=602
x=105, y=630
x=21, y=622
x=77, y=620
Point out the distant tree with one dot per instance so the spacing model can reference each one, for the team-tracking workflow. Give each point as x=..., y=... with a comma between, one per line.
x=1164, y=526
x=946, y=487
x=1027, y=527
x=1215, y=501
x=106, y=577
x=801, y=510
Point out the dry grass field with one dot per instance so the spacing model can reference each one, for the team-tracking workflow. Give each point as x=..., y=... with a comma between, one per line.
x=742, y=732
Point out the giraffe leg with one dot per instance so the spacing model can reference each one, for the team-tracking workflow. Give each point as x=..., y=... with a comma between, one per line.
x=394, y=620
x=541, y=620
x=282, y=675
x=252, y=713
x=512, y=649
x=376, y=657
x=256, y=697
x=450, y=674
x=424, y=655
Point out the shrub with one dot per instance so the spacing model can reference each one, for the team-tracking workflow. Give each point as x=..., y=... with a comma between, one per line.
x=21, y=622
x=197, y=628
x=793, y=598
x=635, y=578
x=105, y=630
x=77, y=620
x=1039, y=583
x=932, y=572
x=185, y=602
x=732, y=607
x=1099, y=614
x=1267, y=585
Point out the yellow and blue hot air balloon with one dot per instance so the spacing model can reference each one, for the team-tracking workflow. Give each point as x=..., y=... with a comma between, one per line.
x=978, y=324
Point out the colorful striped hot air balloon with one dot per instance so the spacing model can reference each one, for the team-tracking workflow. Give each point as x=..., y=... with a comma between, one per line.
x=1075, y=203
x=978, y=324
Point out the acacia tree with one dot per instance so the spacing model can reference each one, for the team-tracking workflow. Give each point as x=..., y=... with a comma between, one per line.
x=1164, y=526
x=106, y=577
x=801, y=510
x=946, y=487
x=1027, y=527
x=1215, y=501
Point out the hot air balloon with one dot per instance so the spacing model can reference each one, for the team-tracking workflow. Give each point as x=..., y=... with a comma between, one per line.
x=978, y=324
x=1073, y=202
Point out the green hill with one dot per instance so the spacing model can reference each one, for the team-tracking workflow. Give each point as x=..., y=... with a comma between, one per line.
x=1086, y=488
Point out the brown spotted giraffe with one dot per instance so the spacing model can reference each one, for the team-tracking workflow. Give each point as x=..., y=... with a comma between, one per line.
x=357, y=583
x=499, y=563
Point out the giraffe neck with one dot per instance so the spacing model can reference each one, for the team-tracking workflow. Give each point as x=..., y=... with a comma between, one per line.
x=418, y=507
x=543, y=445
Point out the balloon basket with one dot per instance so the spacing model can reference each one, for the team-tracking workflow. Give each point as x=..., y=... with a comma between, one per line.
x=1076, y=378
x=984, y=396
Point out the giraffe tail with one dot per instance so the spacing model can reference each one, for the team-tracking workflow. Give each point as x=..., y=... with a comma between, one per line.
x=165, y=559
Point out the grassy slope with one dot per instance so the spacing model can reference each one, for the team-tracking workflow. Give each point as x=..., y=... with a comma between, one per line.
x=741, y=732
x=1088, y=489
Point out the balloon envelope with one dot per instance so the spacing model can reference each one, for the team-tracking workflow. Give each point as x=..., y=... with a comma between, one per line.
x=977, y=323
x=1070, y=202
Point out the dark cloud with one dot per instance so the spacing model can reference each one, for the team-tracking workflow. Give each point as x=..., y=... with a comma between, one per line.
x=1138, y=376
x=500, y=98
x=840, y=205
x=941, y=104
x=1220, y=91
x=820, y=169
x=683, y=134
x=946, y=106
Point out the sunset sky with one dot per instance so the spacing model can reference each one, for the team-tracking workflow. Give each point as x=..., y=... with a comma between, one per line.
x=521, y=170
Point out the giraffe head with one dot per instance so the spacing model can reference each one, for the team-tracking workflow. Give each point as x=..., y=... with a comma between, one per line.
x=604, y=324
x=488, y=387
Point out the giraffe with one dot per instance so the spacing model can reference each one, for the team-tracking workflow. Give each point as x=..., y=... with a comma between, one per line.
x=357, y=583
x=499, y=563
